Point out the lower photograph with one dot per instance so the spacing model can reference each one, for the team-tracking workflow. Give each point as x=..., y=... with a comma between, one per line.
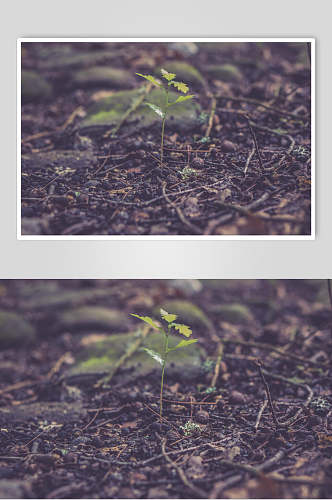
x=183, y=388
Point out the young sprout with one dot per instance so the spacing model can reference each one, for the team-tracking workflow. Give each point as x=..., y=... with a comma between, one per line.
x=169, y=322
x=163, y=110
x=190, y=428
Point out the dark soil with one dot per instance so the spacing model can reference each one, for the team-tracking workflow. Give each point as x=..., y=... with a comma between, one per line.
x=61, y=439
x=214, y=180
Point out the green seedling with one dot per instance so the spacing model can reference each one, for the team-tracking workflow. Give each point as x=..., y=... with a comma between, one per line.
x=161, y=358
x=163, y=110
x=190, y=428
x=187, y=172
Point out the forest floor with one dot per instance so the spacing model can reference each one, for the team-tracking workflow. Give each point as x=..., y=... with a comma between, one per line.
x=68, y=436
x=237, y=159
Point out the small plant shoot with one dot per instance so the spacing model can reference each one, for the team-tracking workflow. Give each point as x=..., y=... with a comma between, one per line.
x=162, y=111
x=168, y=324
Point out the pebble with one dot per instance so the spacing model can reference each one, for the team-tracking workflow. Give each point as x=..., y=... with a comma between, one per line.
x=237, y=398
x=228, y=146
x=202, y=417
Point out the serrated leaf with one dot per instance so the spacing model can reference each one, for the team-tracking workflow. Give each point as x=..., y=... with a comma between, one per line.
x=167, y=316
x=183, y=343
x=147, y=320
x=168, y=76
x=150, y=78
x=156, y=109
x=155, y=355
x=182, y=87
x=183, y=329
x=182, y=98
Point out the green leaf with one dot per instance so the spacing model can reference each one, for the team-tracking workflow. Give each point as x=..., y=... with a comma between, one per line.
x=156, y=109
x=147, y=320
x=183, y=343
x=151, y=79
x=167, y=317
x=182, y=87
x=183, y=329
x=168, y=76
x=155, y=355
x=182, y=98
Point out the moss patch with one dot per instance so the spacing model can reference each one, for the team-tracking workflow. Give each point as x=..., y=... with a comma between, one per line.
x=225, y=72
x=233, y=313
x=100, y=357
x=108, y=112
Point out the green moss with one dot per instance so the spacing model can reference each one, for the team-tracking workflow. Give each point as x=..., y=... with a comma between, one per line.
x=109, y=112
x=101, y=356
x=233, y=313
x=225, y=72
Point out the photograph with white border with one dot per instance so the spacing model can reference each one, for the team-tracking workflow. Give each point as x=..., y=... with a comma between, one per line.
x=166, y=138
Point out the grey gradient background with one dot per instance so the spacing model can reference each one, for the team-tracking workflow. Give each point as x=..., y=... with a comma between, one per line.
x=165, y=259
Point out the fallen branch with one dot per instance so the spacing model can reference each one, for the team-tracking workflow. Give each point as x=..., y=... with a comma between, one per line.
x=269, y=347
x=181, y=215
x=268, y=393
x=198, y=492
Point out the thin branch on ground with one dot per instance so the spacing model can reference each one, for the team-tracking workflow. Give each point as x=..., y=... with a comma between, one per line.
x=197, y=491
x=268, y=392
x=211, y=116
x=260, y=413
x=183, y=219
x=269, y=347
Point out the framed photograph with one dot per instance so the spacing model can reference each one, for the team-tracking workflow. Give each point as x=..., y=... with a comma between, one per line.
x=176, y=138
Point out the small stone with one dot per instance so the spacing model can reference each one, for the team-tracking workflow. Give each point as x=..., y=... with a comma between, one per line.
x=103, y=76
x=225, y=72
x=159, y=229
x=93, y=317
x=92, y=184
x=34, y=87
x=202, y=417
x=157, y=493
x=188, y=287
x=228, y=146
x=15, y=330
x=197, y=162
x=187, y=312
x=184, y=72
x=237, y=398
x=15, y=488
x=233, y=313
